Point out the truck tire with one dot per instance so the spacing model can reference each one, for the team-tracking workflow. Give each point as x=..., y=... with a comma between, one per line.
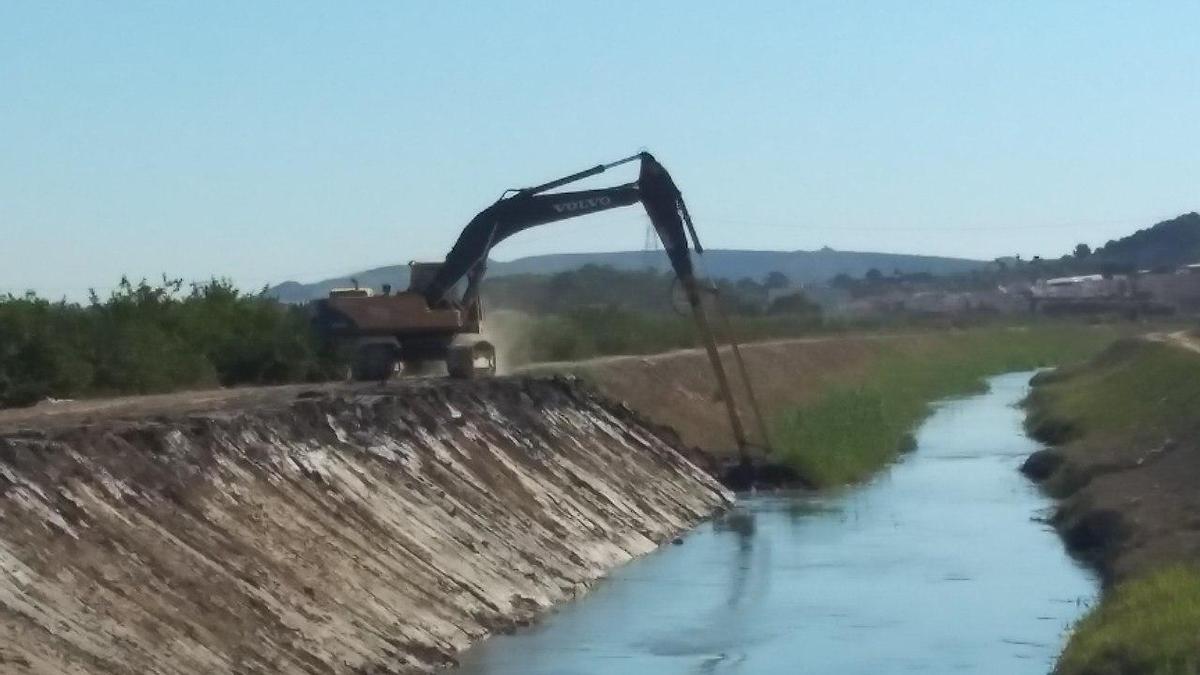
x=374, y=362
x=470, y=360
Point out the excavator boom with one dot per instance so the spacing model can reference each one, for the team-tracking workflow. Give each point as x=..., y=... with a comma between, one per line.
x=530, y=207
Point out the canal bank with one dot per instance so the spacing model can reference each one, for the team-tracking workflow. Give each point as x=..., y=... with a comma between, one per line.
x=1126, y=466
x=939, y=564
x=332, y=529
x=838, y=408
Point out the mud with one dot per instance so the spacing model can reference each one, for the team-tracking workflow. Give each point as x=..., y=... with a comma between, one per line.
x=362, y=529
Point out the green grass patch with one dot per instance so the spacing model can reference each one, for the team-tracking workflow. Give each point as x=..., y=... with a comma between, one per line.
x=1148, y=626
x=1133, y=387
x=850, y=431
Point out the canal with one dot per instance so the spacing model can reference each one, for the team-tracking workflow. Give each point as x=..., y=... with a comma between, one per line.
x=942, y=564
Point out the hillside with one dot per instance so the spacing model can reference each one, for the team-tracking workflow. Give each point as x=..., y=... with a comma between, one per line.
x=1164, y=245
x=799, y=266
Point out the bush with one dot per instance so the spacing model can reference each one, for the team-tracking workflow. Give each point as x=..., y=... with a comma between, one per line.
x=148, y=338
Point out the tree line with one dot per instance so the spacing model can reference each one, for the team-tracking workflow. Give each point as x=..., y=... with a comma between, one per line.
x=148, y=338
x=158, y=337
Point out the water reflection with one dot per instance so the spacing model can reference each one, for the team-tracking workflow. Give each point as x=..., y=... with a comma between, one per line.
x=937, y=566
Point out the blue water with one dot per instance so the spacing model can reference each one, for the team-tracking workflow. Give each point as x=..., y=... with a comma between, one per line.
x=940, y=565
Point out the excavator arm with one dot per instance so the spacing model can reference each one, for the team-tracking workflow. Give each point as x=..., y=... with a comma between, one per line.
x=534, y=206
x=530, y=207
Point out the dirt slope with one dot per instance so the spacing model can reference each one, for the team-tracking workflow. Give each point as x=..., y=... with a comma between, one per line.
x=677, y=388
x=357, y=529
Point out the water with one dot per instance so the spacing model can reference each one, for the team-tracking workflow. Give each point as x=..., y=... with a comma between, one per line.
x=940, y=565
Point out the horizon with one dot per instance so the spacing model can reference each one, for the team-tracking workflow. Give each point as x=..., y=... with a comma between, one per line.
x=263, y=144
x=630, y=251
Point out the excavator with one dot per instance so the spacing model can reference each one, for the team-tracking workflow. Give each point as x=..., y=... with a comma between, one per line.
x=433, y=321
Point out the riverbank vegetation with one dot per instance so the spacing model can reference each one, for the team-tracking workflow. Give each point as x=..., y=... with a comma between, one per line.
x=850, y=430
x=1127, y=425
x=1147, y=625
x=1136, y=387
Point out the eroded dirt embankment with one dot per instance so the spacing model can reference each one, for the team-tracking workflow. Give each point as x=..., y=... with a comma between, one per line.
x=678, y=389
x=1126, y=458
x=1126, y=464
x=344, y=529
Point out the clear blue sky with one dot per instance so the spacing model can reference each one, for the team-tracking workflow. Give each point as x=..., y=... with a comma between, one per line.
x=297, y=140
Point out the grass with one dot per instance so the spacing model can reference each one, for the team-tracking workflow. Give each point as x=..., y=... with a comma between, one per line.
x=850, y=431
x=1133, y=387
x=1147, y=626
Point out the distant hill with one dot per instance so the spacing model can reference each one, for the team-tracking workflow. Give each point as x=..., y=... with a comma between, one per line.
x=1168, y=244
x=799, y=266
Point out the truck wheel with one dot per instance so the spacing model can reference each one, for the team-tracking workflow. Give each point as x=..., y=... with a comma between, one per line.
x=472, y=360
x=373, y=362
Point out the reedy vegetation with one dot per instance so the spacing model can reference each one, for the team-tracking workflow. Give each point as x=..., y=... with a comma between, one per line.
x=850, y=431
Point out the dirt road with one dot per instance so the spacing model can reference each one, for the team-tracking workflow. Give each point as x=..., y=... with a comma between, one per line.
x=49, y=415
x=1182, y=339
